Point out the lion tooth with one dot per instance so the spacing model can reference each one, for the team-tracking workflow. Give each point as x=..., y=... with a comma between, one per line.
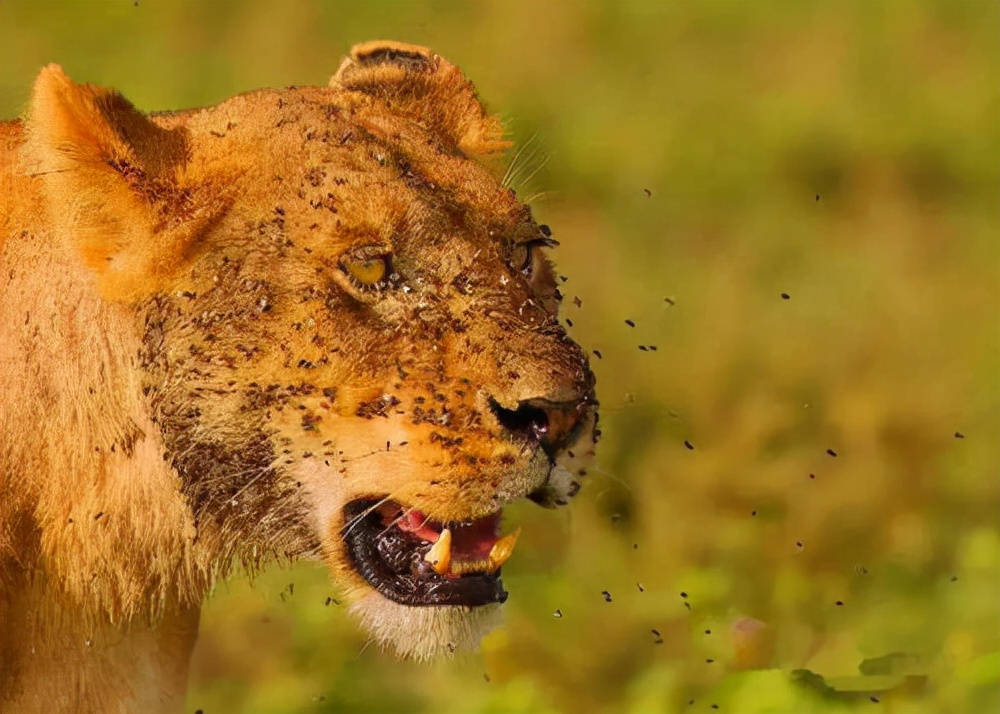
x=461, y=567
x=439, y=556
x=502, y=549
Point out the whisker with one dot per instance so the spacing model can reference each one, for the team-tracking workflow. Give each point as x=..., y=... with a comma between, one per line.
x=599, y=470
x=363, y=456
x=261, y=473
x=50, y=171
x=361, y=516
x=403, y=514
x=365, y=646
x=541, y=165
x=537, y=196
x=514, y=166
x=525, y=162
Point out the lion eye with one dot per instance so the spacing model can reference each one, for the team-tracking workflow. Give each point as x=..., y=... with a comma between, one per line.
x=520, y=257
x=367, y=272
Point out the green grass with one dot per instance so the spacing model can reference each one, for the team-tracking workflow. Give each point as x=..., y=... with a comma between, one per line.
x=845, y=153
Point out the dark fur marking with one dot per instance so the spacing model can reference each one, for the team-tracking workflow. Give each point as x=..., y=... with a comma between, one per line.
x=413, y=61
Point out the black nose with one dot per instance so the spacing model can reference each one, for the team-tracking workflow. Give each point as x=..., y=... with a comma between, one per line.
x=528, y=421
x=550, y=424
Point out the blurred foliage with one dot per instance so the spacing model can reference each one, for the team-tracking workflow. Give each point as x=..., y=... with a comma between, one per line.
x=716, y=153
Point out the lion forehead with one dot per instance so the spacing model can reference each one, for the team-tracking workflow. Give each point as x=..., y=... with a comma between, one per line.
x=348, y=161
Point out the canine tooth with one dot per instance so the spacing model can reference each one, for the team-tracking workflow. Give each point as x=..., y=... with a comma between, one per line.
x=439, y=556
x=502, y=549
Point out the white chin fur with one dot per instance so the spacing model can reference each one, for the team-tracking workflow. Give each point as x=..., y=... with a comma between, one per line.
x=423, y=633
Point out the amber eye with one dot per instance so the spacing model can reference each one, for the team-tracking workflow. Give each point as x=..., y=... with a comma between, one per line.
x=367, y=272
x=520, y=257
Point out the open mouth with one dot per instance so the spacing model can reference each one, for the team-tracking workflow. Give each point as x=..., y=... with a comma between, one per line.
x=413, y=560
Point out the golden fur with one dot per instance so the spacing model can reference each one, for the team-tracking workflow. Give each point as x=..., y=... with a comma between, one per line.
x=189, y=380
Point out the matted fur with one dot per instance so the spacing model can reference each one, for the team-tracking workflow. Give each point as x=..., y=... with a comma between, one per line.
x=190, y=382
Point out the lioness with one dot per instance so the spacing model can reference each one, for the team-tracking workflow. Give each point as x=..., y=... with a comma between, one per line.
x=304, y=322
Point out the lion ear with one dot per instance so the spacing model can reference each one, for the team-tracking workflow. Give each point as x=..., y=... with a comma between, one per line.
x=427, y=88
x=113, y=184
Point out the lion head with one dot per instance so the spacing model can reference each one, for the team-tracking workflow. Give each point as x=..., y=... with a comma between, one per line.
x=344, y=327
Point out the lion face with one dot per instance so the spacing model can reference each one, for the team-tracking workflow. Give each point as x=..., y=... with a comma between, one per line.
x=352, y=348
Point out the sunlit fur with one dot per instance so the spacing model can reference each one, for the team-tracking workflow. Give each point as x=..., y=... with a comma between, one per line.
x=190, y=383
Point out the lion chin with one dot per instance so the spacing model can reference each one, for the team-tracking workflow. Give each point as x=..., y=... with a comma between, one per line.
x=425, y=633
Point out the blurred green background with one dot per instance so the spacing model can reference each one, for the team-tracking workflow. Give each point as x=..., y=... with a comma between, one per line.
x=716, y=153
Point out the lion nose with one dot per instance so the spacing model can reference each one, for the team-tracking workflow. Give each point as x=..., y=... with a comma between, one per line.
x=551, y=424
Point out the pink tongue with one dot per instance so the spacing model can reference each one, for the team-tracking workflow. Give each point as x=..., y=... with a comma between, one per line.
x=417, y=523
x=471, y=542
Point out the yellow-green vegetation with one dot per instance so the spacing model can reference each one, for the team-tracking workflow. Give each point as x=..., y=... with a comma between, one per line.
x=697, y=160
